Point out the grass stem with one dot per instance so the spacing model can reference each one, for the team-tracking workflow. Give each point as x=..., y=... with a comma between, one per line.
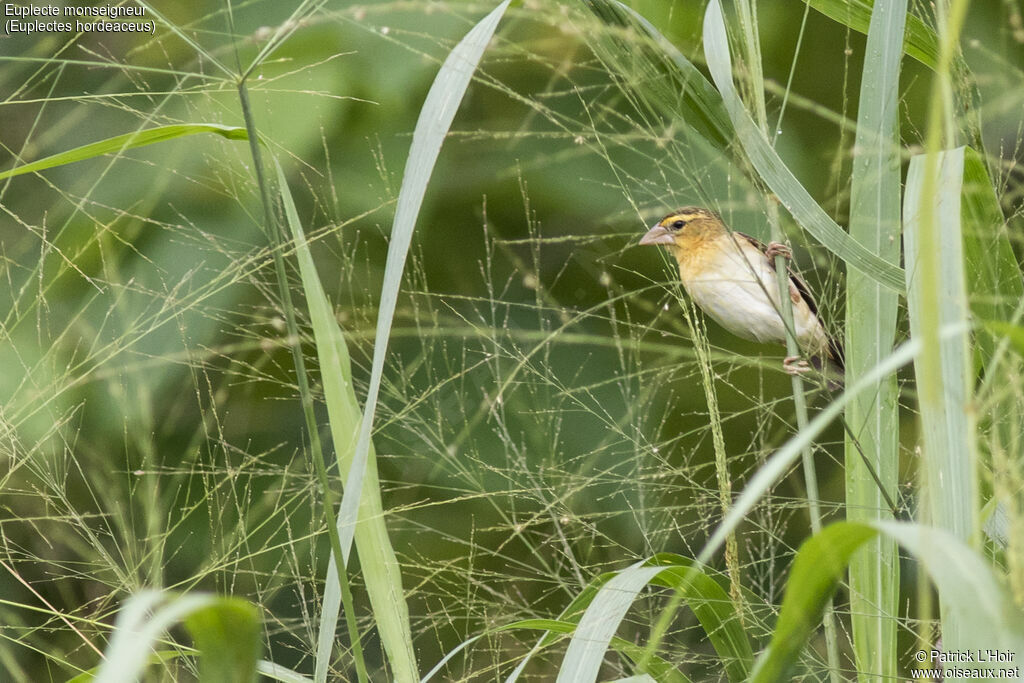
x=277, y=243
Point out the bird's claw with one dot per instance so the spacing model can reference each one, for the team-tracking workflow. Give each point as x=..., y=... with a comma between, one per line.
x=778, y=249
x=795, y=365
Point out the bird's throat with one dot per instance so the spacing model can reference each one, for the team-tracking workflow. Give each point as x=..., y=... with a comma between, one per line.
x=701, y=250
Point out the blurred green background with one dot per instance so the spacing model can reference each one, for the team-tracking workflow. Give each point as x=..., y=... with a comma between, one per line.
x=541, y=418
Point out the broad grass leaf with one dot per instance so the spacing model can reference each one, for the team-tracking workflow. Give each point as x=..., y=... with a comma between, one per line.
x=381, y=570
x=872, y=453
x=964, y=581
x=226, y=630
x=120, y=143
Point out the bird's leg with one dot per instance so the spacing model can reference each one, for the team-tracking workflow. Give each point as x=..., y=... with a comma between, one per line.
x=778, y=249
x=795, y=365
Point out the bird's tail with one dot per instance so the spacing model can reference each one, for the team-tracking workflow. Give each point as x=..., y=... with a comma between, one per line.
x=831, y=365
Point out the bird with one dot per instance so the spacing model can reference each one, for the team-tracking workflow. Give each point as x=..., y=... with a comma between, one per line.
x=731, y=278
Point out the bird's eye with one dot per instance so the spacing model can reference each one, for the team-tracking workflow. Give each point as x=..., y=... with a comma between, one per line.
x=678, y=225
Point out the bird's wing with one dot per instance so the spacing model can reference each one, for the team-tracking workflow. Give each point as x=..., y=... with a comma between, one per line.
x=794, y=277
x=835, y=348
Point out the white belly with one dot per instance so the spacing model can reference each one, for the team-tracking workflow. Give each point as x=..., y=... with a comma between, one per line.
x=741, y=293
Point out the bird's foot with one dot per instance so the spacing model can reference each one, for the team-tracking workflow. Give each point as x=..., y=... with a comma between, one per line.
x=795, y=365
x=778, y=249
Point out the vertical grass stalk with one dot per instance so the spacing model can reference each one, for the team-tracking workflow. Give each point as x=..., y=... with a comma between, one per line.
x=732, y=554
x=873, y=418
x=937, y=299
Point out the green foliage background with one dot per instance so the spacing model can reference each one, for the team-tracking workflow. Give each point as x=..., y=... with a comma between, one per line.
x=541, y=419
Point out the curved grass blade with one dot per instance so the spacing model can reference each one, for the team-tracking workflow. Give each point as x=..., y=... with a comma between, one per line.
x=714, y=610
x=773, y=170
x=919, y=41
x=277, y=672
x=381, y=570
x=435, y=119
x=586, y=650
x=451, y=653
x=571, y=613
x=701, y=104
x=662, y=669
x=964, y=581
x=656, y=666
x=607, y=606
x=120, y=143
x=226, y=632
x=872, y=450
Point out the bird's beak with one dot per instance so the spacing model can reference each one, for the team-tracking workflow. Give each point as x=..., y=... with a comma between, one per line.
x=657, y=235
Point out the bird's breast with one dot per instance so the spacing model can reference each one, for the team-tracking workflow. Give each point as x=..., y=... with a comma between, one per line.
x=734, y=284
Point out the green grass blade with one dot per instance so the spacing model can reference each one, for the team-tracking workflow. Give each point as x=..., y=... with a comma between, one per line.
x=120, y=143
x=586, y=650
x=553, y=628
x=963, y=580
x=435, y=119
x=936, y=297
x=226, y=632
x=276, y=672
x=967, y=587
x=919, y=40
x=702, y=592
x=381, y=570
x=774, y=172
x=605, y=608
x=714, y=610
x=660, y=668
x=228, y=635
x=699, y=104
x=945, y=420
x=815, y=574
x=870, y=335
x=994, y=281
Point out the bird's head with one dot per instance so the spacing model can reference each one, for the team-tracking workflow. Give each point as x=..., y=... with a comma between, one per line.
x=682, y=226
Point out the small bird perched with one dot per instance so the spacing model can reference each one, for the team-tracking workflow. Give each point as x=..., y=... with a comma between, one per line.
x=731, y=277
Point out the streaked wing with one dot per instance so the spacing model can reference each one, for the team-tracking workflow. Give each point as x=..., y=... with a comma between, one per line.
x=835, y=348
